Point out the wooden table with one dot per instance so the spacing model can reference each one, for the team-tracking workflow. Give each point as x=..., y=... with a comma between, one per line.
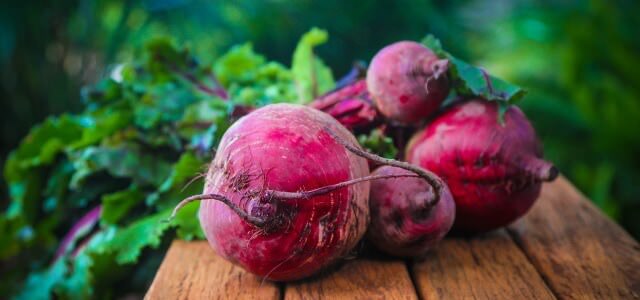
x=563, y=248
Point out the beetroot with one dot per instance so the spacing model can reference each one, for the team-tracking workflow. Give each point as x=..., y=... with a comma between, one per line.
x=405, y=221
x=351, y=105
x=493, y=170
x=284, y=147
x=407, y=81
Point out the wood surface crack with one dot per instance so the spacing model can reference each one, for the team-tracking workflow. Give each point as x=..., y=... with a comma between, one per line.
x=516, y=239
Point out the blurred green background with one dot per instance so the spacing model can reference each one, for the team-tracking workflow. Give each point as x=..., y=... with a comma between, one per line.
x=579, y=60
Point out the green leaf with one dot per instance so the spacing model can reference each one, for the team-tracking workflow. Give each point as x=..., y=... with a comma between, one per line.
x=101, y=124
x=378, y=143
x=57, y=184
x=125, y=161
x=238, y=65
x=40, y=285
x=188, y=167
x=92, y=189
x=164, y=58
x=311, y=75
x=22, y=170
x=180, y=183
x=24, y=190
x=8, y=247
x=204, y=142
x=79, y=282
x=162, y=103
x=205, y=111
x=116, y=205
x=434, y=44
x=471, y=81
x=188, y=223
x=42, y=145
x=105, y=91
x=128, y=242
x=204, y=123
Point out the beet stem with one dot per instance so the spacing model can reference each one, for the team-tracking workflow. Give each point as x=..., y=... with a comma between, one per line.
x=426, y=175
x=258, y=222
x=330, y=188
x=439, y=68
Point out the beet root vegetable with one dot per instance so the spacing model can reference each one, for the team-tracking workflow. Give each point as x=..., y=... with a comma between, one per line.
x=289, y=192
x=351, y=105
x=405, y=221
x=407, y=81
x=493, y=170
x=259, y=221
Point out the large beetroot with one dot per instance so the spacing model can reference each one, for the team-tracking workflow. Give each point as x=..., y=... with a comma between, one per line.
x=284, y=148
x=494, y=170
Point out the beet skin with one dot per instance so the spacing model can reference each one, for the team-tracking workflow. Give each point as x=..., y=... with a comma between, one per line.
x=404, y=219
x=351, y=105
x=285, y=147
x=494, y=170
x=407, y=81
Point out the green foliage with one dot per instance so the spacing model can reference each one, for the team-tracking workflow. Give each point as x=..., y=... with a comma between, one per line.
x=470, y=81
x=251, y=80
x=116, y=205
x=311, y=75
x=377, y=142
x=139, y=147
x=41, y=284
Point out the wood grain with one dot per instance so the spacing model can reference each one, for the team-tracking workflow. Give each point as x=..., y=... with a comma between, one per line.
x=192, y=270
x=564, y=247
x=580, y=253
x=358, y=279
x=487, y=266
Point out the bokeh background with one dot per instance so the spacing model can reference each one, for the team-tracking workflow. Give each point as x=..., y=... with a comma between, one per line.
x=579, y=60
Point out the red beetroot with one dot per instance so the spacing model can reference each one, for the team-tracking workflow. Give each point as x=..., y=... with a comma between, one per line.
x=284, y=147
x=493, y=170
x=351, y=105
x=405, y=221
x=407, y=81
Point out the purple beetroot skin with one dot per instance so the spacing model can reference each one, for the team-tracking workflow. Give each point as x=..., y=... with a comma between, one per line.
x=407, y=81
x=404, y=222
x=287, y=148
x=351, y=105
x=494, y=170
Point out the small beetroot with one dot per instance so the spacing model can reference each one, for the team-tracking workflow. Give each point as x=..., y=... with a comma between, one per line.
x=405, y=219
x=407, y=81
x=493, y=170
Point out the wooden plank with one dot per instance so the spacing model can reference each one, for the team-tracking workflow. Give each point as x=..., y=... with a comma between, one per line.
x=580, y=253
x=192, y=270
x=487, y=266
x=358, y=279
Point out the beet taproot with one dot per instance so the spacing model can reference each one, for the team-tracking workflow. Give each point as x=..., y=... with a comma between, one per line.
x=493, y=170
x=405, y=218
x=284, y=147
